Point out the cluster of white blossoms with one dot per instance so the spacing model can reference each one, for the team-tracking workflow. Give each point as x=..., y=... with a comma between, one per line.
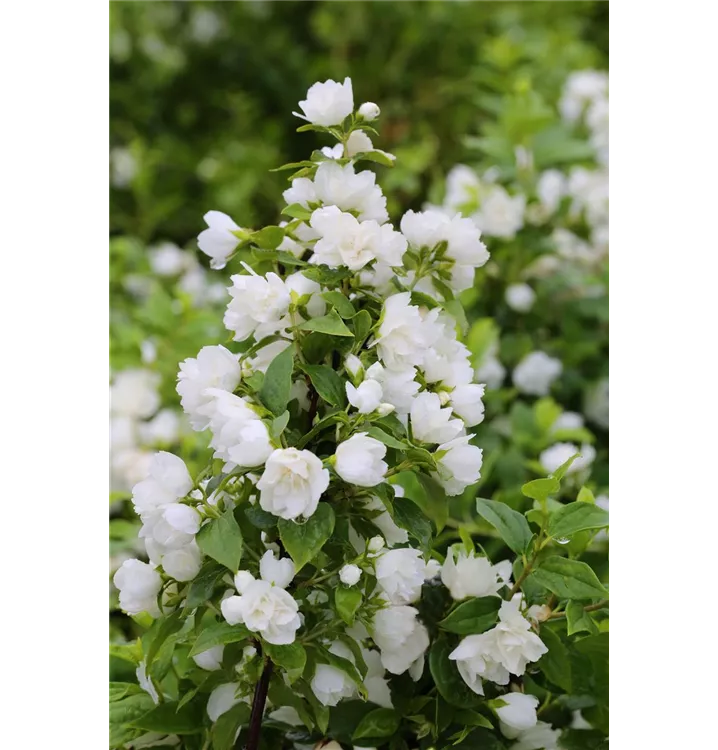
x=308, y=437
x=137, y=424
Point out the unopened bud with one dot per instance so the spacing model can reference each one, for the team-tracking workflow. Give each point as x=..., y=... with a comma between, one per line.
x=369, y=111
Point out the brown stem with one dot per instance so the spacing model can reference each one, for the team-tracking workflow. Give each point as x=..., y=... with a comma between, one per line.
x=313, y=403
x=260, y=699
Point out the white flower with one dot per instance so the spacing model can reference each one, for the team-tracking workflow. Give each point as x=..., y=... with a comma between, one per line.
x=146, y=683
x=446, y=360
x=359, y=460
x=559, y=453
x=134, y=393
x=163, y=428
x=257, y=306
x=460, y=466
x=344, y=241
x=358, y=143
x=462, y=189
x=264, y=608
x=466, y=401
x=168, y=481
x=211, y=659
x=401, y=638
x=403, y=334
x=582, y=88
x=375, y=681
x=535, y=373
x=139, y=584
x=214, y=367
x=328, y=103
x=350, y=575
x=331, y=684
x=515, y=644
x=219, y=240
x=500, y=214
x=568, y=420
x=221, y=699
x=475, y=659
x=469, y=575
x=300, y=285
x=520, y=297
x=596, y=403
x=292, y=483
x=398, y=385
x=551, y=188
x=278, y=572
x=491, y=372
x=166, y=259
x=518, y=714
x=540, y=737
x=183, y=564
x=339, y=186
x=430, y=423
x=400, y=574
x=366, y=398
x=239, y=437
x=369, y=111
x=302, y=192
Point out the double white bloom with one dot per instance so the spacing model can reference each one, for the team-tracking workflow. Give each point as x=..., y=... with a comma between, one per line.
x=504, y=650
x=400, y=574
x=263, y=605
x=359, y=460
x=328, y=103
x=401, y=638
x=258, y=306
x=468, y=575
x=139, y=584
x=535, y=373
x=459, y=464
x=219, y=240
x=292, y=483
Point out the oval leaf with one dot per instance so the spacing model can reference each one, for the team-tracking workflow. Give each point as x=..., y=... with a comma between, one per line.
x=512, y=526
x=304, y=540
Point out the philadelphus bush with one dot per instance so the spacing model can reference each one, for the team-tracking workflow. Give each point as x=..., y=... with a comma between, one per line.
x=296, y=587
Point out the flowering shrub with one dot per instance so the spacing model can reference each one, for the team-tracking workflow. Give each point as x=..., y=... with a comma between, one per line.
x=300, y=590
x=538, y=314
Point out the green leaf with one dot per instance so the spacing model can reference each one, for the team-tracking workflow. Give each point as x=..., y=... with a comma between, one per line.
x=304, y=540
x=377, y=156
x=361, y=325
x=556, y=662
x=388, y=440
x=473, y=616
x=382, y=722
x=161, y=629
x=408, y=516
x=512, y=526
x=131, y=652
x=277, y=382
x=269, y=238
x=428, y=494
x=291, y=657
x=327, y=384
x=330, y=324
x=167, y=719
x=347, y=601
x=568, y=579
x=119, y=690
x=579, y=620
x=297, y=211
x=326, y=276
x=282, y=695
x=221, y=539
x=575, y=517
x=449, y=682
x=340, y=303
x=540, y=489
x=560, y=473
x=129, y=708
x=259, y=518
x=472, y=719
x=585, y=496
x=226, y=726
x=278, y=425
x=219, y=634
x=202, y=587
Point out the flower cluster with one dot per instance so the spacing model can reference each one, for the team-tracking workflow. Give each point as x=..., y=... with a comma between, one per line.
x=339, y=423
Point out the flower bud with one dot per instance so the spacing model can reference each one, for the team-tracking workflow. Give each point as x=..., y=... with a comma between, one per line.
x=376, y=543
x=369, y=111
x=353, y=366
x=350, y=574
x=384, y=409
